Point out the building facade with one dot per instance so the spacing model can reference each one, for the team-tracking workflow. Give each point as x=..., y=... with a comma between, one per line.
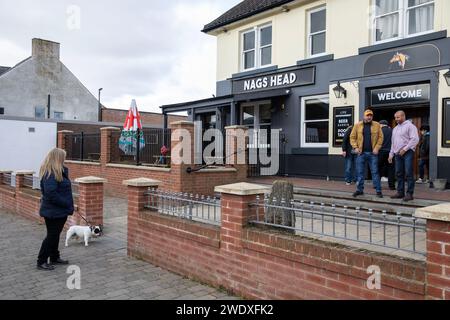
x=42, y=87
x=311, y=68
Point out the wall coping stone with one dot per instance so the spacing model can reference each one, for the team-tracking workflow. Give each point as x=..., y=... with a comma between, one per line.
x=90, y=180
x=440, y=212
x=142, y=182
x=236, y=127
x=83, y=162
x=25, y=173
x=182, y=123
x=217, y=170
x=242, y=189
x=6, y=171
x=65, y=131
x=126, y=166
x=110, y=129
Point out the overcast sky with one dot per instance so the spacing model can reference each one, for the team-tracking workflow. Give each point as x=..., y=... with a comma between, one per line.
x=151, y=50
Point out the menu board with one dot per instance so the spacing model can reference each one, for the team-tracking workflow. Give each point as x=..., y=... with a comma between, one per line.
x=446, y=124
x=343, y=117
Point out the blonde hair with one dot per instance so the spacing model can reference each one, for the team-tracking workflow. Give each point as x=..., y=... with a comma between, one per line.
x=53, y=164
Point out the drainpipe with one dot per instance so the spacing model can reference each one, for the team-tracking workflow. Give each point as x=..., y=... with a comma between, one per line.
x=48, y=106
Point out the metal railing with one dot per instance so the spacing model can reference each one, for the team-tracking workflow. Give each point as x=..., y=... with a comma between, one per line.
x=7, y=179
x=395, y=231
x=149, y=155
x=185, y=206
x=75, y=189
x=83, y=147
x=31, y=182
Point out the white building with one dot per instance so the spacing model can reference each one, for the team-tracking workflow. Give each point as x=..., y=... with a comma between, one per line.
x=42, y=87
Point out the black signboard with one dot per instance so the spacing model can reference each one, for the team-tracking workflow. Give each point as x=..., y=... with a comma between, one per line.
x=342, y=119
x=403, y=59
x=419, y=93
x=446, y=124
x=293, y=78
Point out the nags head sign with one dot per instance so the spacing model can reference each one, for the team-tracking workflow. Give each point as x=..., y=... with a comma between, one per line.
x=297, y=77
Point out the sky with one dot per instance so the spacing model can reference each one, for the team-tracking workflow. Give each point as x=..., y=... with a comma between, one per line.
x=152, y=51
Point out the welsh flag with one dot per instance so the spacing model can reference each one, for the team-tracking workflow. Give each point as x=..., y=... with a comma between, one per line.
x=128, y=139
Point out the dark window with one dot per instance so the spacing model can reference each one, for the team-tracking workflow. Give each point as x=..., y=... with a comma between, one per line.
x=2, y=110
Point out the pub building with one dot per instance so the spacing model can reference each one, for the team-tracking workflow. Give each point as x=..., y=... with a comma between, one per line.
x=311, y=69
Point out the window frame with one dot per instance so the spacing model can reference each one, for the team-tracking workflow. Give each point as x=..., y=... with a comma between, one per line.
x=303, y=143
x=310, y=35
x=58, y=112
x=403, y=21
x=258, y=48
x=35, y=112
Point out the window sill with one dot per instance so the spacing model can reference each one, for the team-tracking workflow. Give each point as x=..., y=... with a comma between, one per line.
x=404, y=42
x=254, y=72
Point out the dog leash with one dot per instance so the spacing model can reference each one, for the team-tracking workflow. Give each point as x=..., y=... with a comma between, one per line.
x=88, y=224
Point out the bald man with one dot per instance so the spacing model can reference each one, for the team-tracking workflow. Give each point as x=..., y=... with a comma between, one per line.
x=405, y=139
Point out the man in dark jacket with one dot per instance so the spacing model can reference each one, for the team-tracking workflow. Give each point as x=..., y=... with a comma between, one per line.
x=424, y=153
x=386, y=169
x=349, y=155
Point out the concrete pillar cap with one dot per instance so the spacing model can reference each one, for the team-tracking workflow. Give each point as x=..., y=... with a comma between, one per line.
x=90, y=180
x=236, y=128
x=440, y=212
x=242, y=189
x=6, y=171
x=142, y=182
x=65, y=131
x=110, y=129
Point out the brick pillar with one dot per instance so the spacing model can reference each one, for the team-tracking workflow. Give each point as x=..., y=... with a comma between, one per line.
x=20, y=178
x=438, y=250
x=106, y=146
x=136, y=189
x=236, y=149
x=62, y=139
x=236, y=211
x=182, y=180
x=90, y=202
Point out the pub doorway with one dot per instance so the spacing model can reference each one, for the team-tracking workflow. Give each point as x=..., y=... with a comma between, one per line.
x=418, y=114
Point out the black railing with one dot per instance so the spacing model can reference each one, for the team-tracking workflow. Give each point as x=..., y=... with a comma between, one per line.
x=83, y=147
x=148, y=155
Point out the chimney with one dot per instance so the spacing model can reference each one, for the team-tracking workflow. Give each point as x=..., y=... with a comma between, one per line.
x=45, y=49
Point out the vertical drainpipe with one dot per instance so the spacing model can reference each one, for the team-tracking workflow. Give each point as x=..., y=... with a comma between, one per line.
x=48, y=106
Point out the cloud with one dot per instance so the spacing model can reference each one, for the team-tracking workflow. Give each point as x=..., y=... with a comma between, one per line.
x=152, y=51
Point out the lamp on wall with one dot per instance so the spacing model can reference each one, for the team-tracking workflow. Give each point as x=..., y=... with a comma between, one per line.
x=340, y=91
x=447, y=78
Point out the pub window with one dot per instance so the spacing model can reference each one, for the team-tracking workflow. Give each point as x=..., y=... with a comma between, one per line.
x=396, y=19
x=317, y=34
x=39, y=112
x=315, y=121
x=2, y=111
x=257, y=47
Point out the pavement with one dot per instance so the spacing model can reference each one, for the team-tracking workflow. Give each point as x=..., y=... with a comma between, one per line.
x=106, y=271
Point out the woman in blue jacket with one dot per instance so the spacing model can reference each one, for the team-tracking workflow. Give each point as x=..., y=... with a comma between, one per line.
x=56, y=206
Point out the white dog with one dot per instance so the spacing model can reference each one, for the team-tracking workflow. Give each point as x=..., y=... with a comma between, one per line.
x=84, y=232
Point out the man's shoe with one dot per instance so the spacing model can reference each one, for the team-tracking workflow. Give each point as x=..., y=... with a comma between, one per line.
x=408, y=197
x=357, y=194
x=379, y=195
x=45, y=267
x=397, y=196
x=59, y=261
x=420, y=181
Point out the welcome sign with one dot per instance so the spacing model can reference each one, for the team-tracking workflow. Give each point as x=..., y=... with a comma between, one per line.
x=419, y=93
x=297, y=77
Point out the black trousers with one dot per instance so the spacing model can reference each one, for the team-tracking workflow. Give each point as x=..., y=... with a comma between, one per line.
x=49, y=248
x=386, y=169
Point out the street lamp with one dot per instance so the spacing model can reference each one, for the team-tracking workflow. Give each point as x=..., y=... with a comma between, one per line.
x=447, y=78
x=100, y=115
x=339, y=91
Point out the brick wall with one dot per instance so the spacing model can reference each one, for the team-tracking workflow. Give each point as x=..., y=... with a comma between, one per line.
x=148, y=118
x=261, y=263
x=174, y=179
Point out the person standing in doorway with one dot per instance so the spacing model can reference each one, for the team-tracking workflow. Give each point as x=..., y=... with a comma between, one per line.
x=386, y=169
x=367, y=139
x=424, y=154
x=56, y=206
x=405, y=139
x=349, y=155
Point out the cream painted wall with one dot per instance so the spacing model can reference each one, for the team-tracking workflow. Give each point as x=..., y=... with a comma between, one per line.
x=289, y=32
x=444, y=92
x=351, y=100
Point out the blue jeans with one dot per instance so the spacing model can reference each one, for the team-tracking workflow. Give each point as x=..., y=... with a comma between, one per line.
x=405, y=171
x=361, y=161
x=350, y=168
